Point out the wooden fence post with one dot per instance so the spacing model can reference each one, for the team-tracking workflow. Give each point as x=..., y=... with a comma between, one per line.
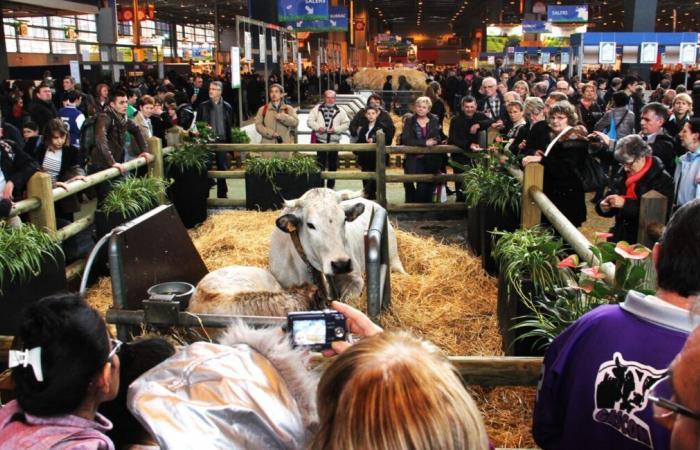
x=40, y=186
x=530, y=214
x=653, y=207
x=156, y=168
x=381, y=168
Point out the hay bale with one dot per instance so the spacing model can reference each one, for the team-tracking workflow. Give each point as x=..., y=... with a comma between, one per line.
x=374, y=79
x=445, y=298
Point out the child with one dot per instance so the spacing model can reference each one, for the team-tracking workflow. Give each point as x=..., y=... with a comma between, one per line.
x=368, y=160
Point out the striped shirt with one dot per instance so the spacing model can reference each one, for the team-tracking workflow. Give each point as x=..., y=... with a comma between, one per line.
x=52, y=164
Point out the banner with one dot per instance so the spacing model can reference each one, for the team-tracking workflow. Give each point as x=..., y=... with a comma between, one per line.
x=607, y=53
x=263, y=47
x=284, y=51
x=519, y=58
x=307, y=10
x=274, y=49
x=536, y=26
x=247, y=45
x=544, y=58
x=235, y=67
x=560, y=13
x=337, y=21
x=649, y=53
x=688, y=53
x=75, y=70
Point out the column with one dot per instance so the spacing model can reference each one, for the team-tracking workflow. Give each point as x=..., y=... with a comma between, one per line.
x=640, y=16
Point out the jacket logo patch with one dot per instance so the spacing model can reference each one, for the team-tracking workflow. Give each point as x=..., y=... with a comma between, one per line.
x=621, y=392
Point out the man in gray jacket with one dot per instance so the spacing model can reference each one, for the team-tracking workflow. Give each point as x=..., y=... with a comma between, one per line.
x=328, y=122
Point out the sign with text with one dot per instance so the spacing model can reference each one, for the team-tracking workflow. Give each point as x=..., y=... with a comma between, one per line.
x=688, y=53
x=337, y=21
x=649, y=53
x=248, y=46
x=274, y=49
x=295, y=10
x=536, y=26
x=235, y=67
x=567, y=13
x=607, y=53
x=263, y=47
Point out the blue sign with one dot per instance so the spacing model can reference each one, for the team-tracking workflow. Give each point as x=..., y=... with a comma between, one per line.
x=337, y=21
x=560, y=13
x=536, y=26
x=296, y=10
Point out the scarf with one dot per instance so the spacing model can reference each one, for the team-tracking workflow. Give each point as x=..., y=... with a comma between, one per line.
x=631, y=181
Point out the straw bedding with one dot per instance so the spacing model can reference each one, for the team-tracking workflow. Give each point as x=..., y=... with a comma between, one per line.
x=445, y=297
x=374, y=79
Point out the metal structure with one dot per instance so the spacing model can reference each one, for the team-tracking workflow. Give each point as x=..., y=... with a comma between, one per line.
x=286, y=36
x=378, y=265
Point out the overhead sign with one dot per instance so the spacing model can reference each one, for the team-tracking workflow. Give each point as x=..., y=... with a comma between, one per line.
x=607, y=53
x=235, y=67
x=649, y=53
x=337, y=21
x=567, y=13
x=295, y=10
x=688, y=53
x=536, y=26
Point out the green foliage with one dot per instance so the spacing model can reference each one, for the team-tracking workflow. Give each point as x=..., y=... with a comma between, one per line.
x=204, y=133
x=268, y=167
x=529, y=254
x=190, y=157
x=239, y=136
x=23, y=251
x=133, y=196
x=494, y=186
x=584, y=288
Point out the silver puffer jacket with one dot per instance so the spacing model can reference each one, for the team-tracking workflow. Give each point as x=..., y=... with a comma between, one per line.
x=251, y=392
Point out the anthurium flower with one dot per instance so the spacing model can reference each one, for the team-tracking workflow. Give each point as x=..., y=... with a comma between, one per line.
x=593, y=272
x=603, y=236
x=587, y=286
x=628, y=251
x=570, y=261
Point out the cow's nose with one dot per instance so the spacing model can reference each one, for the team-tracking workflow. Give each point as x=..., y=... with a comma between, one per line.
x=341, y=266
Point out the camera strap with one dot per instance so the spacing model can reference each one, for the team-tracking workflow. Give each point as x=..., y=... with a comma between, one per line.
x=326, y=286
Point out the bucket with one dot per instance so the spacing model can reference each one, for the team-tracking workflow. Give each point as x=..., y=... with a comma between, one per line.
x=179, y=289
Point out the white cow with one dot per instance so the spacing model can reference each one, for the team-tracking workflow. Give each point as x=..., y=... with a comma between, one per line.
x=331, y=227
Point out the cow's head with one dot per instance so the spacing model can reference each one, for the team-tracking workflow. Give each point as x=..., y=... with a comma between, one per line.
x=319, y=219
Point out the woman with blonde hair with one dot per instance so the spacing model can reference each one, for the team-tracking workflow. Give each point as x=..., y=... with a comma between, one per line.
x=522, y=88
x=393, y=391
x=681, y=111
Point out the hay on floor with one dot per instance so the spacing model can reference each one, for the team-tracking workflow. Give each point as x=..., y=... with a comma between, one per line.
x=445, y=298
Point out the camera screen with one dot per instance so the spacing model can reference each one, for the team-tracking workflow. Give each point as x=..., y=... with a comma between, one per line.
x=309, y=332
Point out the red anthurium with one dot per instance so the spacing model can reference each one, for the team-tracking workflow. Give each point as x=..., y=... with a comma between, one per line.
x=570, y=261
x=593, y=272
x=587, y=286
x=603, y=236
x=628, y=251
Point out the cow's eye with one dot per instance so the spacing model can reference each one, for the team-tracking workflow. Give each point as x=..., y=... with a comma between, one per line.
x=310, y=225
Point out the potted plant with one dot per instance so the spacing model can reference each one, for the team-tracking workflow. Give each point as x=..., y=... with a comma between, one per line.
x=32, y=266
x=528, y=268
x=186, y=166
x=496, y=195
x=269, y=181
x=586, y=289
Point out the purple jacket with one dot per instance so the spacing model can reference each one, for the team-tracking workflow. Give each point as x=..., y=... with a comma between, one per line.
x=597, y=373
x=19, y=430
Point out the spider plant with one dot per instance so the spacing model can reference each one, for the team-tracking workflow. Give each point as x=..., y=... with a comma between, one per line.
x=493, y=186
x=23, y=251
x=269, y=167
x=190, y=157
x=239, y=136
x=133, y=196
x=531, y=254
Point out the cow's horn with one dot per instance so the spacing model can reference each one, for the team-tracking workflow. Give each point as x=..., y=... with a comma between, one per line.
x=347, y=195
x=292, y=203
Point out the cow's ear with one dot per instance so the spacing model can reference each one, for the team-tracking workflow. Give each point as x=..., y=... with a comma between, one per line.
x=288, y=223
x=352, y=212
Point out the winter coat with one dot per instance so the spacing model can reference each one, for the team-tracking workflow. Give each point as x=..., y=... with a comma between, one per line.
x=252, y=391
x=432, y=163
x=17, y=167
x=624, y=128
x=360, y=121
x=562, y=184
x=627, y=217
x=267, y=123
x=204, y=112
x=460, y=133
x=110, y=129
x=340, y=124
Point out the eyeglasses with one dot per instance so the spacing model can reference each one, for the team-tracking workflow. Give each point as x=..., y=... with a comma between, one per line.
x=664, y=408
x=116, y=345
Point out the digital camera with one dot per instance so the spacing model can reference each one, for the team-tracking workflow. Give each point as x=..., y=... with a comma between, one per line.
x=316, y=330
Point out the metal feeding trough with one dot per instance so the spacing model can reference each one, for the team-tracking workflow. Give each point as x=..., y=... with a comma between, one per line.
x=178, y=291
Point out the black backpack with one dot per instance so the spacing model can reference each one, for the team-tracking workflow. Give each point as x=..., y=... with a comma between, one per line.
x=88, y=137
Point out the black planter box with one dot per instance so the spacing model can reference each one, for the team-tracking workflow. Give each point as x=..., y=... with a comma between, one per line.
x=16, y=296
x=508, y=308
x=494, y=219
x=262, y=195
x=189, y=193
x=474, y=229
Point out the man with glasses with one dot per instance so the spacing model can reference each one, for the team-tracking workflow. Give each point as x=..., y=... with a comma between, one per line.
x=676, y=397
x=595, y=389
x=492, y=104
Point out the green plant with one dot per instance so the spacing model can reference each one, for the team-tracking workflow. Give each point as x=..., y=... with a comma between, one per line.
x=203, y=135
x=239, y=136
x=529, y=254
x=133, y=196
x=188, y=157
x=23, y=251
x=492, y=185
x=269, y=167
x=585, y=288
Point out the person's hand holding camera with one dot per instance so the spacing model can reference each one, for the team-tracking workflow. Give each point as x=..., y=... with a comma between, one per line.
x=357, y=323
